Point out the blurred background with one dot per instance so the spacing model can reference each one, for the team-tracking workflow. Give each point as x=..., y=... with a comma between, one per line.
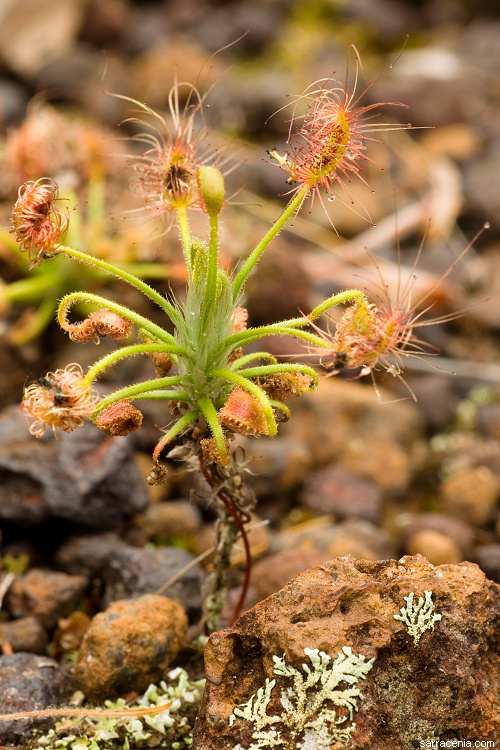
x=58, y=60
x=431, y=190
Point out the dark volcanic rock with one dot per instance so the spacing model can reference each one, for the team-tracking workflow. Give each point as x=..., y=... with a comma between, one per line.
x=132, y=571
x=87, y=553
x=372, y=655
x=28, y=683
x=86, y=477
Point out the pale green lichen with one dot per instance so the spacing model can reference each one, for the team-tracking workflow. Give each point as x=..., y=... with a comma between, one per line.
x=174, y=725
x=309, y=719
x=418, y=617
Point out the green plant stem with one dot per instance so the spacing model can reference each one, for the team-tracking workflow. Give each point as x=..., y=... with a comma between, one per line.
x=246, y=358
x=30, y=329
x=176, y=429
x=185, y=235
x=125, y=276
x=291, y=327
x=130, y=351
x=163, y=395
x=210, y=414
x=254, y=334
x=213, y=252
x=144, y=270
x=278, y=225
x=256, y=372
x=125, y=312
x=281, y=406
x=30, y=288
x=350, y=295
x=130, y=391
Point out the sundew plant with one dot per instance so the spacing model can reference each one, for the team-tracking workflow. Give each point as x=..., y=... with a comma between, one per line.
x=215, y=388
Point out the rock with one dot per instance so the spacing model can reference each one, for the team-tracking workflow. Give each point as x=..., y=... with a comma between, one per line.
x=166, y=521
x=353, y=536
x=438, y=548
x=132, y=571
x=373, y=655
x=461, y=533
x=130, y=645
x=31, y=33
x=29, y=683
x=488, y=559
x=86, y=477
x=273, y=572
x=471, y=495
x=277, y=467
x=344, y=423
x=87, y=553
x=46, y=594
x=336, y=490
x=25, y=634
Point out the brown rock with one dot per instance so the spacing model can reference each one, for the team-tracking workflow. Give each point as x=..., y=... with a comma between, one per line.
x=278, y=467
x=46, y=594
x=336, y=490
x=353, y=536
x=472, y=495
x=488, y=559
x=438, y=548
x=271, y=573
x=343, y=422
x=461, y=533
x=308, y=649
x=26, y=634
x=164, y=521
x=130, y=645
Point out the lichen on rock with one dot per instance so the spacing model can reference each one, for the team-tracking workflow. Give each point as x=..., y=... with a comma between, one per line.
x=306, y=714
x=418, y=617
x=447, y=687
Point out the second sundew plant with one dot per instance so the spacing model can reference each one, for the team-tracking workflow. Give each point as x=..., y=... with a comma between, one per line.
x=214, y=388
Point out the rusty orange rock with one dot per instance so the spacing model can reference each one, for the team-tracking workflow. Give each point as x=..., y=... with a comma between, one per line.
x=130, y=645
x=432, y=633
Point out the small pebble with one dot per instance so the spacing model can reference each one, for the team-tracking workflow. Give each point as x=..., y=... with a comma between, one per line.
x=461, y=533
x=86, y=553
x=24, y=634
x=164, y=521
x=130, y=645
x=46, y=594
x=472, y=495
x=488, y=559
x=436, y=547
x=132, y=571
x=336, y=490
